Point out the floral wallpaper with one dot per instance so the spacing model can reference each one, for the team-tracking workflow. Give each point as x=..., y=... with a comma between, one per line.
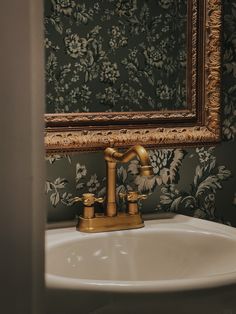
x=115, y=55
x=199, y=181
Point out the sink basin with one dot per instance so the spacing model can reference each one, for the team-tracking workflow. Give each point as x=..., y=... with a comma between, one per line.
x=178, y=262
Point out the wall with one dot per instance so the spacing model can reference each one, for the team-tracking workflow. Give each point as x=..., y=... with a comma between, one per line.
x=115, y=55
x=200, y=181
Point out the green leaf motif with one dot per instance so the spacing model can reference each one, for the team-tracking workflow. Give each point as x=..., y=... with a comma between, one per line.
x=80, y=185
x=60, y=183
x=211, y=182
x=198, y=175
x=48, y=186
x=56, y=22
x=54, y=199
x=122, y=174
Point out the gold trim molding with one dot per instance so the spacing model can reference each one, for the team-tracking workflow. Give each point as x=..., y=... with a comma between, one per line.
x=199, y=124
x=75, y=118
x=100, y=139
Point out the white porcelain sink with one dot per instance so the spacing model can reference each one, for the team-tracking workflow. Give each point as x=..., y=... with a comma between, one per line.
x=130, y=271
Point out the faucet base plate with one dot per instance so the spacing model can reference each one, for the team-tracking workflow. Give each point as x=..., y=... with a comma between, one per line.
x=101, y=223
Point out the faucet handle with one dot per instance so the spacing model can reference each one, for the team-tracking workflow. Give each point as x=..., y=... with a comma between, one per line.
x=99, y=200
x=75, y=200
x=88, y=200
x=132, y=197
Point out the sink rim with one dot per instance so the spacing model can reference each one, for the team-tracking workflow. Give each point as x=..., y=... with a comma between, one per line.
x=171, y=285
x=159, y=286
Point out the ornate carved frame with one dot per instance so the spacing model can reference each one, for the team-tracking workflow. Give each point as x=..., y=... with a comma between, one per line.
x=198, y=124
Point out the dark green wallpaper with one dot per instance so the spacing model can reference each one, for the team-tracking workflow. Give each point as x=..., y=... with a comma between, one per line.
x=115, y=55
x=197, y=181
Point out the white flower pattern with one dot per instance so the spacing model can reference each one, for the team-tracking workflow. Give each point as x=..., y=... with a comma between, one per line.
x=125, y=44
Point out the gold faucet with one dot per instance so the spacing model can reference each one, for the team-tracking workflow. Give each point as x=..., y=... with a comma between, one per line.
x=112, y=219
x=112, y=157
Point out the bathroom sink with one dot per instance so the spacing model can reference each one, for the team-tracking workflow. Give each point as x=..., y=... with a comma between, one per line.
x=130, y=271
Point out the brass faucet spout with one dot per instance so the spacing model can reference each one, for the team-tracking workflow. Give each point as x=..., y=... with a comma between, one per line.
x=112, y=156
x=134, y=151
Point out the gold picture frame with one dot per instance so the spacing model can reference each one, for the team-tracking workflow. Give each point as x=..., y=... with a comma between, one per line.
x=197, y=125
